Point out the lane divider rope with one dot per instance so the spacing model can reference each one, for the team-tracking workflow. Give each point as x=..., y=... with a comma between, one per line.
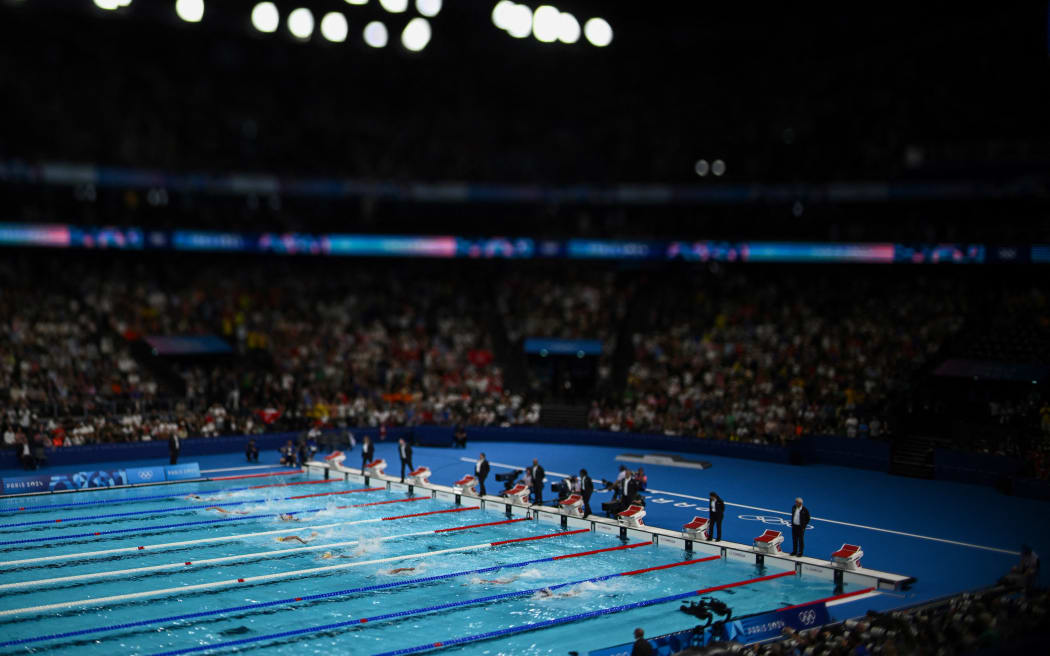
x=521, y=628
x=269, y=553
x=306, y=599
x=302, y=573
x=203, y=522
x=419, y=611
x=223, y=538
x=153, y=497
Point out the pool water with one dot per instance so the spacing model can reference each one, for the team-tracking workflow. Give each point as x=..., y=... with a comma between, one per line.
x=208, y=581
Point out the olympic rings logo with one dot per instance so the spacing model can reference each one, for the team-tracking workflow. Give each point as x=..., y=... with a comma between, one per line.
x=773, y=521
x=807, y=617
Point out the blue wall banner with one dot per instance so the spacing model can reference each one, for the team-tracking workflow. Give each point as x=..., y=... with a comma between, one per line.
x=137, y=475
x=746, y=630
x=26, y=484
x=185, y=472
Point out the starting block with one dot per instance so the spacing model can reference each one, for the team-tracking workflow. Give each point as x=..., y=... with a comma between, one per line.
x=632, y=517
x=464, y=485
x=518, y=495
x=696, y=529
x=375, y=468
x=420, y=475
x=335, y=458
x=572, y=505
x=847, y=557
x=769, y=542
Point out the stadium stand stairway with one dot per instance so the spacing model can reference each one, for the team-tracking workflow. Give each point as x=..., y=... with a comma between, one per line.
x=563, y=416
x=913, y=456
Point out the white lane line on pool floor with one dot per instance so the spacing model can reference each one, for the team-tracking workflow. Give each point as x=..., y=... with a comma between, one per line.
x=273, y=577
x=850, y=524
x=245, y=468
x=225, y=538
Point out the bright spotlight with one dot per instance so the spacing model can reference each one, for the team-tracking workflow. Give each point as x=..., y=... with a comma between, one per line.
x=519, y=21
x=334, y=27
x=545, y=22
x=191, y=11
x=301, y=23
x=718, y=167
x=501, y=14
x=568, y=28
x=375, y=34
x=702, y=168
x=416, y=35
x=357, y=2
x=598, y=32
x=110, y=5
x=394, y=6
x=265, y=17
x=428, y=8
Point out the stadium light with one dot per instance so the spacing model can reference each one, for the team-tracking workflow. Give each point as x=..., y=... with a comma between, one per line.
x=598, y=32
x=376, y=35
x=501, y=14
x=718, y=167
x=394, y=6
x=428, y=8
x=265, y=17
x=519, y=21
x=545, y=22
x=568, y=28
x=334, y=27
x=416, y=35
x=191, y=11
x=111, y=5
x=357, y=2
x=301, y=23
x=702, y=168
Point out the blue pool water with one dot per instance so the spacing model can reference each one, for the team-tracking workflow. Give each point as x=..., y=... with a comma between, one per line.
x=64, y=589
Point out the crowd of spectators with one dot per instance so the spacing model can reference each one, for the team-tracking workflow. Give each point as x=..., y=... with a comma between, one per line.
x=769, y=358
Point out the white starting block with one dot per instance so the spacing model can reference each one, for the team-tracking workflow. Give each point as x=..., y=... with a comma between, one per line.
x=847, y=557
x=465, y=485
x=572, y=505
x=518, y=495
x=696, y=529
x=335, y=458
x=420, y=475
x=769, y=542
x=632, y=517
x=375, y=468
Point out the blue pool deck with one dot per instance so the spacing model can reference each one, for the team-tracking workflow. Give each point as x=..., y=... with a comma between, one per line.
x=951, y=537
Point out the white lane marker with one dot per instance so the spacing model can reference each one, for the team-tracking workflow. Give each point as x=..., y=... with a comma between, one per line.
x=847, y=600
x=269, y=553
x=834, y=521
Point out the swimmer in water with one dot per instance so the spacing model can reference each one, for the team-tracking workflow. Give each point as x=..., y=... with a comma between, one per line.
x=399, y=570
x=285, y=517
x=546, y=593
x=296, y=538
x=223, y=511
x=509, y=579
x=328, y=554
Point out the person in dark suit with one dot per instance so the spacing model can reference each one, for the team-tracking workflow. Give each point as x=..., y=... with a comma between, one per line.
x=586, y=490
x=641, y=645
x=716, y=509
x=799, y=520
x=251, y=452
x=459, y=438
x=404, y=449
x=537, y=474
x=367, y=452
x=481, y=472
x=174, y=446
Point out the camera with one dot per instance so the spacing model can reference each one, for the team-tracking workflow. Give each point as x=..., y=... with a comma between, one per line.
x=509, y=477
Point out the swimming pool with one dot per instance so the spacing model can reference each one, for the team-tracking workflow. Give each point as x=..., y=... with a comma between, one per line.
x=213, y=567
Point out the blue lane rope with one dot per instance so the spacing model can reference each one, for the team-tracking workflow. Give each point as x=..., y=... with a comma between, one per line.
x=278, y=602
x=403, y=613
x=158, y=511
x=151, y=497
x=155, y=527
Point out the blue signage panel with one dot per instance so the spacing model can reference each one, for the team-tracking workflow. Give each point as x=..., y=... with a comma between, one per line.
x=579, y=347
x=26, y=484
x=182, y=472
x=137, y=475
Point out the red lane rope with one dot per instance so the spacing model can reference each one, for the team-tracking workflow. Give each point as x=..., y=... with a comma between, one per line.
x=541, y=537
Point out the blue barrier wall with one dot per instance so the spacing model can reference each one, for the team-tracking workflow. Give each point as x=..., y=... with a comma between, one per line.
x=979, y=468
